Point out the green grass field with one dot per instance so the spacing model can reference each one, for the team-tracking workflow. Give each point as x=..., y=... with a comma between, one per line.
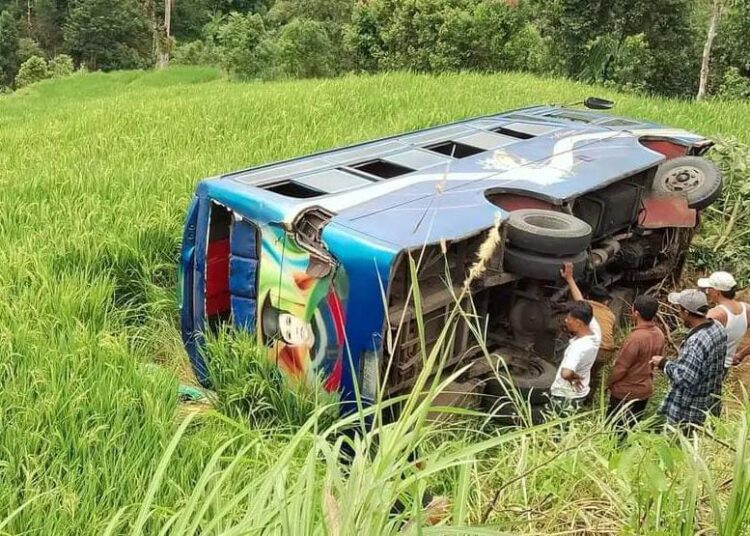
x=95, y=174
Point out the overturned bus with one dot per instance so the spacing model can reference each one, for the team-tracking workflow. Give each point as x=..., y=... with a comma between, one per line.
x=311, y=254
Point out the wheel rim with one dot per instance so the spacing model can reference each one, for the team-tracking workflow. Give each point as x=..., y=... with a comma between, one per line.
x=684, y=179
x=530, y=369
x=550, y=223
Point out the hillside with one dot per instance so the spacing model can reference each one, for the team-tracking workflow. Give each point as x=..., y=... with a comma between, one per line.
x=95, y=174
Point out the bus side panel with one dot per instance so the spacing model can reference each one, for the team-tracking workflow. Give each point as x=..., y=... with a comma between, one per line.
x=368, y=265
x=300, y=318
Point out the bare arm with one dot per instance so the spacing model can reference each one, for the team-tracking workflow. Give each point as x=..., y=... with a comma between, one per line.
x=718, y=314
x=567, y=274
x=745, y=351
x=570, y=376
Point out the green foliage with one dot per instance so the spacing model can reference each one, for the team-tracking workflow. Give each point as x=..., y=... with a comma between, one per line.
x=730, y=59
x=333, y=12
x=196, y=53
x=433, y=35
x=242, y=43
x=633, y=65
x=61, y=66
x=28, y=47
x=625, y=64
x=734, y=85
x=674, y=44
x=105, y=35
x=33, y=70
x=8, y=48
x=656, y=40
x=304, y=50
x=527, y=50
x=47, y=22
x=188, y=19
x=725, y=240
x=252, y=387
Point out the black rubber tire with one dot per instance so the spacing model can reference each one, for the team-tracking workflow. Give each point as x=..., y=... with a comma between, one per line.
x=505, y=414
x=531, y=378
x=543, y=267
x=695, y=177
x=548, y=231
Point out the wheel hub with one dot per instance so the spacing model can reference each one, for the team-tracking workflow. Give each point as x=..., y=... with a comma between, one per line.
x=684, y=179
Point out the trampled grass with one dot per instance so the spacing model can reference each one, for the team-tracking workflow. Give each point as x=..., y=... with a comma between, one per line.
x=95, y=174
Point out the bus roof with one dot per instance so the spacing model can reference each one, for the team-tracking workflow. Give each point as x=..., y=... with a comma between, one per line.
x=432, y=184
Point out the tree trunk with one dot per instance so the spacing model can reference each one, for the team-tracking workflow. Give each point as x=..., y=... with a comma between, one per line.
x=166, y=43
x=712, y=26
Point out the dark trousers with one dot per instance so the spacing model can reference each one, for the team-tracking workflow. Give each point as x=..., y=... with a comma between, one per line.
x=625, y=414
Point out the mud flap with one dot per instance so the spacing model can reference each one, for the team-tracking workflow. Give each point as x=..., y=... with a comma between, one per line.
x=659, y=212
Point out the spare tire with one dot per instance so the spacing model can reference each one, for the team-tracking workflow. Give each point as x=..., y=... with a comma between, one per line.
x=543, y=267
x=547, y=231
x=695, y=177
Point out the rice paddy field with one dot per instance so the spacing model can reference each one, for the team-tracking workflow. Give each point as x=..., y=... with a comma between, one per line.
x=95, y=174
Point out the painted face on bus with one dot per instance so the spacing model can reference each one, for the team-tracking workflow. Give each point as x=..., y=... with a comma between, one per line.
x=295, y=331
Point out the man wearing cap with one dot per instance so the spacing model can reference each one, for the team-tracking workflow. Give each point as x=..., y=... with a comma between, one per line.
x=721, y=288
x=697, y=373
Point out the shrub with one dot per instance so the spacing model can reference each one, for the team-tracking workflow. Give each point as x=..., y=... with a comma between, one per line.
x=238, y=38
x=33, y=70
x=304, y=50
x=632, y=66
x=61, y=66
x=527, y=50
x=196, y=53
x=734, y=85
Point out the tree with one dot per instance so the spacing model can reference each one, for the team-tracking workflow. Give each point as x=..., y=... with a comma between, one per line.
x=8, y=48
x=305, y=51
x=109, y=34
x=239, y=38
x=730, y=51
x=572, y=26
x=33, y=70
x=48, y=20
x=440, y=35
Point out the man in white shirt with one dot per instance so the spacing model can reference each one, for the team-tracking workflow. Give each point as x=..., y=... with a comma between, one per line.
x=571, y=386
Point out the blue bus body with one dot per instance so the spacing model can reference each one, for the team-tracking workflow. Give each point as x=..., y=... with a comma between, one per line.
x=302, y=252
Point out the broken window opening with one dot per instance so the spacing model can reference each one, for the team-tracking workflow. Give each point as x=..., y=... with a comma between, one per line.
x=454, y=149
x=383, y=169
x=294, y=189
x=513, y=133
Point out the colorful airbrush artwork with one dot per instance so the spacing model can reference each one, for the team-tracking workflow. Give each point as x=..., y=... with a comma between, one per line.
x=300, y=318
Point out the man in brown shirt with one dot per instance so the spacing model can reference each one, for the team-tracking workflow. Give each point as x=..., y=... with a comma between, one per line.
x=630, y=382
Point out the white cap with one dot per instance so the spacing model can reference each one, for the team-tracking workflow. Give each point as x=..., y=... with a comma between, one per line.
x=722, y=281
